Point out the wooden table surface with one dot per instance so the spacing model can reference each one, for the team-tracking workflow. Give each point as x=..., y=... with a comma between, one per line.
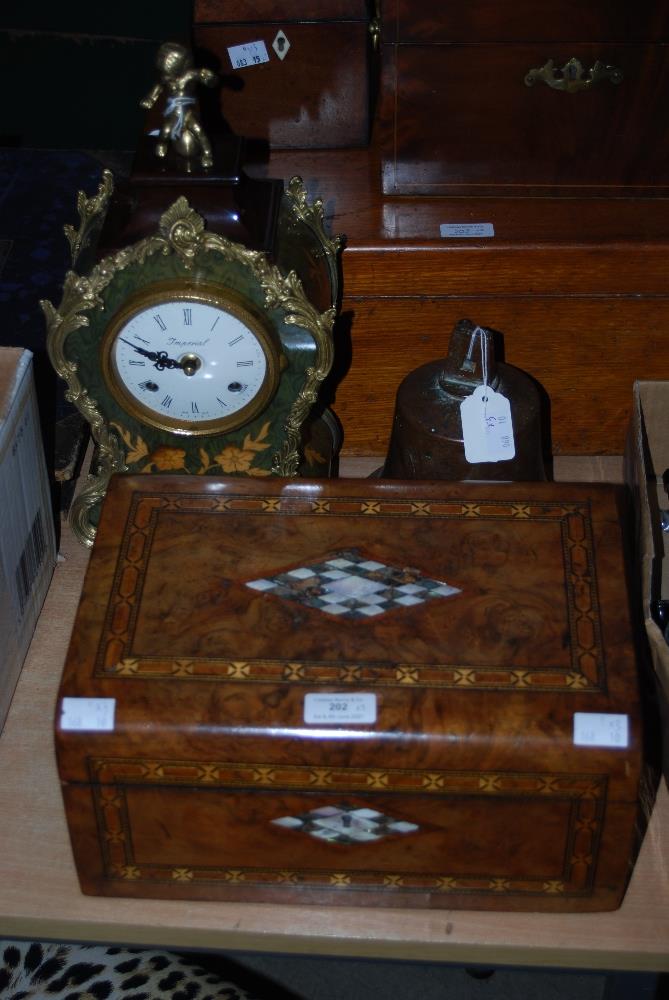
x=40, y=896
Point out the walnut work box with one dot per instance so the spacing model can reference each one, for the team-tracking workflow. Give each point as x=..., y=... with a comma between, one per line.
x=357, y=692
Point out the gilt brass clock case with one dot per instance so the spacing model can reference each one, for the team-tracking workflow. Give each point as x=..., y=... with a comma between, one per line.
x=288, y=329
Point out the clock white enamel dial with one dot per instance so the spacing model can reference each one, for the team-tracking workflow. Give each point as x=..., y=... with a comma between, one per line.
x=191, y=360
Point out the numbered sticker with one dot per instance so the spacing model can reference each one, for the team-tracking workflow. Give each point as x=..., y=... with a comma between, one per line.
x=337, y=709
x=250, y=54
x=601, y=729
x=487, y=428
x=88, y=714
x=467, y=230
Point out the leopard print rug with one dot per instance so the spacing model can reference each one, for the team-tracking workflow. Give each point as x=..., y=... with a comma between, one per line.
x=36, y=971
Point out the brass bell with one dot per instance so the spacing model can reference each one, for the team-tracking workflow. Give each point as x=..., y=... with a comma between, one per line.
x=427, y=435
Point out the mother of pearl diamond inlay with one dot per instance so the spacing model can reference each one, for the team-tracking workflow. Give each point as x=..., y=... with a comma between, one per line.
x=345, y=825
x=350, y=586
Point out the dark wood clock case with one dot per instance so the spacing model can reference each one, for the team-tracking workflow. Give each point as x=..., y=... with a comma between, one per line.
x=471, y=624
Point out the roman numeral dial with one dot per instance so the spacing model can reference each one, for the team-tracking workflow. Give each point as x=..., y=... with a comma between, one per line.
x=191, y=362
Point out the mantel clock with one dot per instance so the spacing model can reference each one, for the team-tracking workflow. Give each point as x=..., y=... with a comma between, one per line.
x=189, y=352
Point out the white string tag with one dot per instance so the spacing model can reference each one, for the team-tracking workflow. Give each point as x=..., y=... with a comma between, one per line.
x=487, y=428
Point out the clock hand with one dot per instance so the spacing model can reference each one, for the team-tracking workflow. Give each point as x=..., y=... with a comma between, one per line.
x=160, y=358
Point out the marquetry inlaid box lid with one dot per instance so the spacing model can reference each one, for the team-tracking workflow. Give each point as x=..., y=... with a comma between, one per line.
x=211, y=607
x=349, y=638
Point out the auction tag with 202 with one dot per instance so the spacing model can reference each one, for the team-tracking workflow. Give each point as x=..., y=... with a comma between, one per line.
x=339, y=709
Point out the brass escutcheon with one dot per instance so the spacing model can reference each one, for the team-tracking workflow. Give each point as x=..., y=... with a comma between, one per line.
x=573, y=78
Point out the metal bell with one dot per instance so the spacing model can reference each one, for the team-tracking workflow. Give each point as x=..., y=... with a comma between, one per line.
x=427, y=435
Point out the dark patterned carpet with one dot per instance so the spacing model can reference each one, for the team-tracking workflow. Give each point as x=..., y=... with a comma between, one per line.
x=38, y=190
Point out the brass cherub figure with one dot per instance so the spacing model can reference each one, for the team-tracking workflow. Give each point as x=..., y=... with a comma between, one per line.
x=181, y=126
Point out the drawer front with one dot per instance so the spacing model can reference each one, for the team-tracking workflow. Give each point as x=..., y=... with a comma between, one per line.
x=311, y=98
x=522, y=20
x=502, y=841
x=494, y=133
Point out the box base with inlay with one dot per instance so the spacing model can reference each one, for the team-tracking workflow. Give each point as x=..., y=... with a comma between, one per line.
x=357, y=692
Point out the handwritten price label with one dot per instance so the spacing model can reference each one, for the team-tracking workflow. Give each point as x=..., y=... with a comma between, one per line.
x=601, y=729
x=88, y=714
x=487, y=428
x=250, y=54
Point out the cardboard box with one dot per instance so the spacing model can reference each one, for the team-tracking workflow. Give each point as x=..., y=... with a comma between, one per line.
x=27, y=536
x=646, y=460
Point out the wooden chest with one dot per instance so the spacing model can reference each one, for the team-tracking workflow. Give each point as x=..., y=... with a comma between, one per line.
x=507, y=97
x=354, y=692
x=303, y=78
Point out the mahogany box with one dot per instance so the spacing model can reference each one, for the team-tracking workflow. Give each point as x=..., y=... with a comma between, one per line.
x=294, y=74
x=516, y=98
x=354, y=691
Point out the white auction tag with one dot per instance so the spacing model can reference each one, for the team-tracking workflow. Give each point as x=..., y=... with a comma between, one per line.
x=601, y=729
x=467, y=230
x=334, y=709
x=487, y=428
x=250, y=54
x=93, y=714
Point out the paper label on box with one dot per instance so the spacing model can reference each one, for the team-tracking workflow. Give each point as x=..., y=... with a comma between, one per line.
x=601, y=729
x=467, y=230
x=334, y=709
x=249, y=54
x=88, y=714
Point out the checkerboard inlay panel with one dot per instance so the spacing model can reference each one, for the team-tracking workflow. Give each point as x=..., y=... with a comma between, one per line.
x=345, y=825
x=348, y=585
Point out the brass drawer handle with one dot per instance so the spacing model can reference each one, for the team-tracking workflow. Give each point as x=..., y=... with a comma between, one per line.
x=573, y=77
x=375, y=26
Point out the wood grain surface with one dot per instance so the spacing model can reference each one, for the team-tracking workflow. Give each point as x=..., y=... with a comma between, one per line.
x=483, y=74
x=490, y=21
x=498, y=136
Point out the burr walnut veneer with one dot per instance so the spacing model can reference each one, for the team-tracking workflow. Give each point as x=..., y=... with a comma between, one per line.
x=354, y=692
